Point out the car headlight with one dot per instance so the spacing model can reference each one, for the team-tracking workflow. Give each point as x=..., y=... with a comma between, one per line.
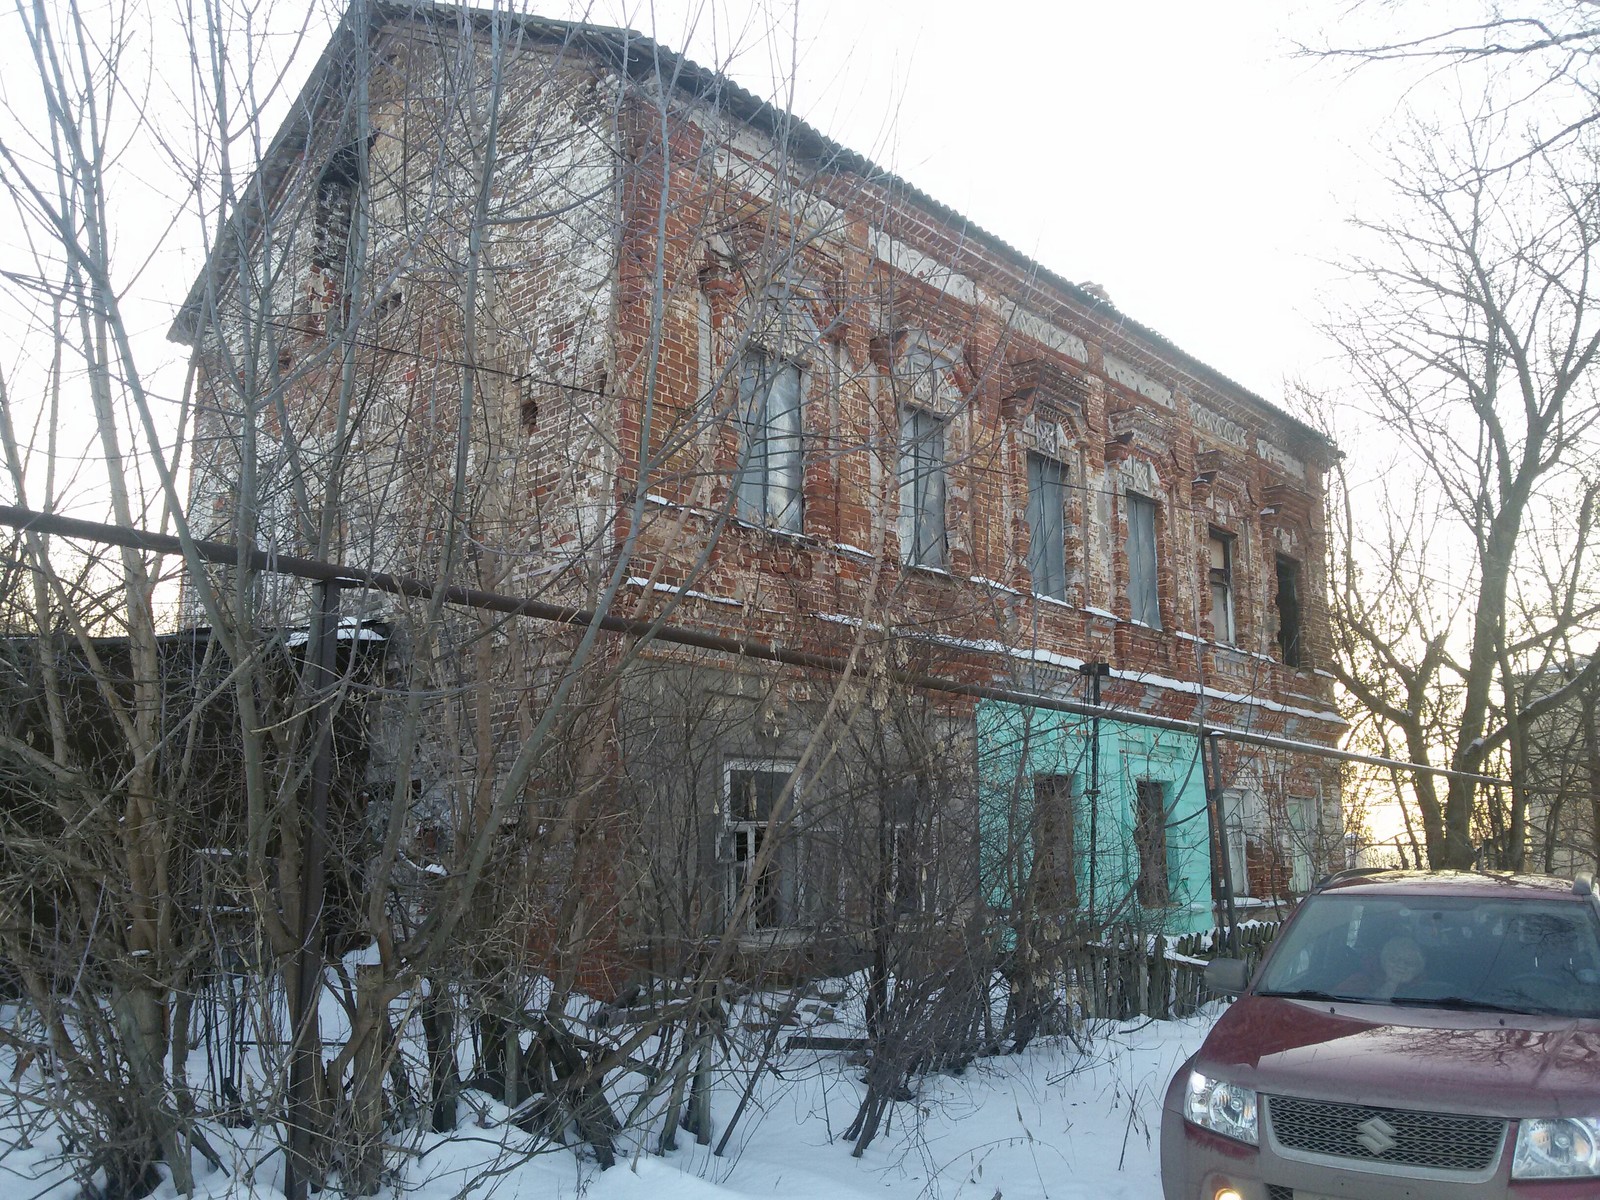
x=1222, y=1107
x=1562, y=1148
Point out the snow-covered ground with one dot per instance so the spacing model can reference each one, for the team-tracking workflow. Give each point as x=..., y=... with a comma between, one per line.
x=1052, y=1122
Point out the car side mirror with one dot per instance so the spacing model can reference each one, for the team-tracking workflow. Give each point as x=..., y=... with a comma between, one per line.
x=1228, y=975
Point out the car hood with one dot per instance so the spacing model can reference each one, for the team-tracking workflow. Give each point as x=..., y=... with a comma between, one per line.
x=1408, y=1057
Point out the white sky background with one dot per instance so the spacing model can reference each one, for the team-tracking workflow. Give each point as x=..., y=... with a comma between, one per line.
x=1175, y=153
x=1170, y=151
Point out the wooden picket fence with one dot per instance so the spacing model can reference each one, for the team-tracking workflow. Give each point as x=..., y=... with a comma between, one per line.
x=1128, y=973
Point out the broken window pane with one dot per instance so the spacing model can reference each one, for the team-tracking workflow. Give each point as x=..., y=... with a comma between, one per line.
x=754, y=817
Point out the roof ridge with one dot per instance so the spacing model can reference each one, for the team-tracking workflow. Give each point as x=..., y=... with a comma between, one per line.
x=661, y=61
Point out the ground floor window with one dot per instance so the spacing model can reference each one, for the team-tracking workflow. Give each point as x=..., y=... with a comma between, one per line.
x=1054, y=844
x=752, y=792
x=1153, y=887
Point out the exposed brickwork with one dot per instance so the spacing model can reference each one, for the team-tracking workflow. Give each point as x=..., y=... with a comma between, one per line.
x=587, y=304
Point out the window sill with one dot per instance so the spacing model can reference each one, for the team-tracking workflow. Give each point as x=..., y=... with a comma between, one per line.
x=780, y=938
x=928, y=569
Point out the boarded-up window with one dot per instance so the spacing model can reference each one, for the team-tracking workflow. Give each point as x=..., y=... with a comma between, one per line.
x=1153, y=888
x=1054, y=844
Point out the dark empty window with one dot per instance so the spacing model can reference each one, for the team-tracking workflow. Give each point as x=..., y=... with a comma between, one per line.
x=1219, y=574
x=1047, y=501
x=1291, y=646
x=910, y=847
x=334, y=216
x=1153, y=887
x=1143, y=595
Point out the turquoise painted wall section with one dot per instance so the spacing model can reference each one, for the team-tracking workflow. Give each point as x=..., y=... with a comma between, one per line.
x=1016, y=744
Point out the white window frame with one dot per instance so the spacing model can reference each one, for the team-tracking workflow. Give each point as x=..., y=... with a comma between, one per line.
x=743, y=840
x=923, y=532
x=1236, y=827
x=1047, y=525
x=1300, y=819
x=770, y=479
x=1144, y=559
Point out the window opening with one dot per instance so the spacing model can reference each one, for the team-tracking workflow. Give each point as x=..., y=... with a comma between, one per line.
x=1143, y=594
x=752, y=799
x=1302, y=814
x=1219, y=551
x=1237, y=837
x=922, y=487
x=771, y=470
x=910, y=847
x=1290, y=646
x=333, y=218
x=1153, y=888
x=1047, y=498
x=1055, y=868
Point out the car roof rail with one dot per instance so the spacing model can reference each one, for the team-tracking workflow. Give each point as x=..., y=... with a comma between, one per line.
x=1583, y=883
x=1349, y=873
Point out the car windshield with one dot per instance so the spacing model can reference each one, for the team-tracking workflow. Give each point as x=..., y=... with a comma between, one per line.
x=1512, y=955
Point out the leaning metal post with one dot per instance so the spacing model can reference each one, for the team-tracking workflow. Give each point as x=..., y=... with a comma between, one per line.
x=306, y=1044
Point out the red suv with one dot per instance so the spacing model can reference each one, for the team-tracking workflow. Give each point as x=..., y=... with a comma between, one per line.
x=1410, y=1036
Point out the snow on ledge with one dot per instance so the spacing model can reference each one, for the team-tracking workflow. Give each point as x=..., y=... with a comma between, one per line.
x=639, y=581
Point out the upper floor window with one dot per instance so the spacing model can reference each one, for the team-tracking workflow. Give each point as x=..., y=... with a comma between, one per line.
x=922, y=485
x=1143, y=594
x=1047, y=499
x=1219, y=574
x=771, y=464
x=1291, y=646
x=333, y=218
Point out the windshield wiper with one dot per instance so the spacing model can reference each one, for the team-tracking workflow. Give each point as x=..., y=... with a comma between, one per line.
x=1460, y=1003
x=1316, y=994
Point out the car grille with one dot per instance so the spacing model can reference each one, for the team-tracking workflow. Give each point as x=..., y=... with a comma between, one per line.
x=1276, y=1191
x=1441, y=1141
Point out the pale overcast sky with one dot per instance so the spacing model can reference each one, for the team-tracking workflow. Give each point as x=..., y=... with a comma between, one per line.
x=1175, y=153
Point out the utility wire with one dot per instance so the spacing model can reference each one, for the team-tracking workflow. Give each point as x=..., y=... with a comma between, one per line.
x=401, y=585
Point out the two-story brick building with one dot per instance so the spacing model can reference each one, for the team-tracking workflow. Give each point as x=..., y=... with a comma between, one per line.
x=548, y=309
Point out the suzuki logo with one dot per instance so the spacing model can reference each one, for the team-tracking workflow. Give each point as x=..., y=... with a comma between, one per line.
x=1376, y=1135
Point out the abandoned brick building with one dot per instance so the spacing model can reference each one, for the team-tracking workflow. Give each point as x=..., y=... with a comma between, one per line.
x=547, y=310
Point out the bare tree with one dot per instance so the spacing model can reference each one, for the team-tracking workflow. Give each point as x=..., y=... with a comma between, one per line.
x=1462, y=565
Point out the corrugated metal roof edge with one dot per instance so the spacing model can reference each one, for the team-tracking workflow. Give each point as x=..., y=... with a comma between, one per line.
x=643, y=57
